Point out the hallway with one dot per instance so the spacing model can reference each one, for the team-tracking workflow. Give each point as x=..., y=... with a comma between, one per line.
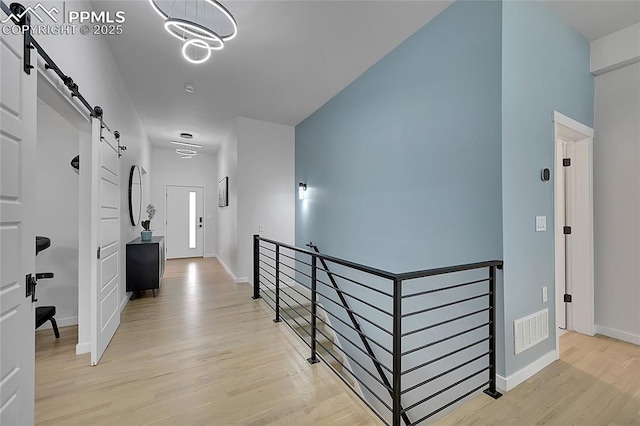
x=202, y=352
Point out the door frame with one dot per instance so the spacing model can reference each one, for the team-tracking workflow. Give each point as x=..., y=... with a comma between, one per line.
x=204, y=209
x=570, y=129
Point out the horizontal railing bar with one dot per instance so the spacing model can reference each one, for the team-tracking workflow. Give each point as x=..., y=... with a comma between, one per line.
x=385, y=274
x=356, y=314
x=440, y=358
x=266, y=264
x=447, y=270
x=354, y=281
x=266, y=279
x=268, y=257
x=297, y=260
x=328, y=352
x=444, y=373
x=352, y=265
x=421, y=293
x=267, y=271
x=418, y=330
x=444, y=305
x=352, y=359
x=372, y=358
x=359, y=381
x=441, y=391
x=267, y=248
x=453, y=336
x=355, y=298
x=289, y=276
x=300, y=272
x=449, y=404
x=304, y=296
x=357, y=331
x=300, y=305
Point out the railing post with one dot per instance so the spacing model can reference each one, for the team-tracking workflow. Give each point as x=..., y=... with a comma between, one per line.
x=314, y=310
x=492, y=391
x=277, y=319
x=397, y=352
x=256, y=267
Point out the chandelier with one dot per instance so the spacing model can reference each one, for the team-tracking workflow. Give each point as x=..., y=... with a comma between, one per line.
x=201, y=25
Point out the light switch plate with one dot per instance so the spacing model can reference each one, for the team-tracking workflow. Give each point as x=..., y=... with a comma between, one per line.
x=541, y=223
x=544, y=294
x=260, y=228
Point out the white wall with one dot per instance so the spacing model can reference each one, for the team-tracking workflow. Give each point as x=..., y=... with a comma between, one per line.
x=57, y=214
x=201, y=170
x=266, y=187
x=617, y=203
x=227, y=250
x=88, y=60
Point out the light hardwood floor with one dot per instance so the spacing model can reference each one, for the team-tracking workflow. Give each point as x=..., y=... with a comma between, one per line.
x=201, y=353
x=595, y=382
x=204, y=353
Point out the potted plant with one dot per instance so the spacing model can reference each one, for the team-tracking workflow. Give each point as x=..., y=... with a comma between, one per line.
x=146, y=224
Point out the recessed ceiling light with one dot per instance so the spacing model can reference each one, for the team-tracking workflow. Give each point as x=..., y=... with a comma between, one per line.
x=189, y=88
x=186, y=135
x=194, y=145
x=186, y=151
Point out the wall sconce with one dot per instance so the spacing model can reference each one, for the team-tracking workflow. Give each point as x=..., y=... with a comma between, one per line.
x=301, y=188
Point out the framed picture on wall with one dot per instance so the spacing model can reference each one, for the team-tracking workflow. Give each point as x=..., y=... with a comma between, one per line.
x=223, y=192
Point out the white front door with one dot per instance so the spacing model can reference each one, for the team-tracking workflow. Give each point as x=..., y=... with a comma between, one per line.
x=17, y=233
x=185, y=221
x=105, y=306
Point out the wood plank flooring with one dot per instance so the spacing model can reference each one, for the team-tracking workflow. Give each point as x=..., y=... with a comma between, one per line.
x=204, y=353
x=201, y=353
x=595, y=382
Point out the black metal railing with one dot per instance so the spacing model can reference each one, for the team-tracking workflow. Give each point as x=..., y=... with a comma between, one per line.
x=410, y=345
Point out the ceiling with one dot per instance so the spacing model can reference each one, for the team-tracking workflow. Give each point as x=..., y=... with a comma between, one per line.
x=288, y=59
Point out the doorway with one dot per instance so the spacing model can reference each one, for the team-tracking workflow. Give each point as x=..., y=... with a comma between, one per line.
x=573, y=211
x=184, y=221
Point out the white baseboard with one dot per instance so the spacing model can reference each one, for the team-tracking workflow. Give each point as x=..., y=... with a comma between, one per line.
x=83, y=348
x=62, y=322
x=125, y=301
x=618, y=334
x=231, y=274
x=506, y=384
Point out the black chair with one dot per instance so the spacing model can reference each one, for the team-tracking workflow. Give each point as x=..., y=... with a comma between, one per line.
x=45, y=313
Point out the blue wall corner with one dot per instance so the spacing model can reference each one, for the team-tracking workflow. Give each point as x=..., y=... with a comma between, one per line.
x=545, y=68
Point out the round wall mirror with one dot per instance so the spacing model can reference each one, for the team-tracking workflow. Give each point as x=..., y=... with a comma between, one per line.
x=135, y=195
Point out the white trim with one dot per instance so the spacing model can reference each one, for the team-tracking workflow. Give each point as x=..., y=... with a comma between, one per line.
x=210, y=255
x=618, y=334
x=83, y=348
x=509, y=383
x=123, y=304
x=240, y=280
x=572, y=124
x=569, y=129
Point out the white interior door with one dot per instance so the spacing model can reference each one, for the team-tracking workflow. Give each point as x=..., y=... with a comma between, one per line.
x=17, y=234
x=105, y=306
x=184, y=221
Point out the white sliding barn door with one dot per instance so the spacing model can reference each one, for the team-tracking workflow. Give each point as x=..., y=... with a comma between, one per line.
x=105, y=305
x=17, y=233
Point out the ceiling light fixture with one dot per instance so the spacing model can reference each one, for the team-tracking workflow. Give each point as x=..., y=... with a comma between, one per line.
x=189, y=88
x=186, y=135
x=186, y=151
x=194, y=145
x=202, y=25
x=187, y=156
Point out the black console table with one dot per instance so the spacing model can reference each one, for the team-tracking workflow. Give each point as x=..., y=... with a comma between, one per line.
x=145, y=264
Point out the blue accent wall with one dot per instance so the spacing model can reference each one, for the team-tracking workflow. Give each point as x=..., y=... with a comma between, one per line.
x=545, y=67
x=403, y=166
